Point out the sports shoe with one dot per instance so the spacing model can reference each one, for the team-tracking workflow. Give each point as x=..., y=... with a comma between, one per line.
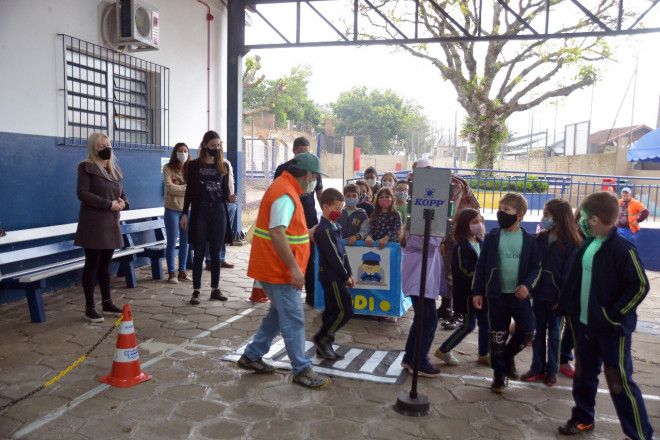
x=226, y=265
x=484, y=360
x=429, y=371
x=573, y=427
x=257, y=365
x=550, y=380
x=310, y=379
x=216, y=295
x=337, y=355
x=499, y=384
x=406, y=366
x=567, y=369
x=171, y=278
x=183, y=276
x=109, y=308
x=531, y=376
x=448, y=358
x=195, y=298
x=93, y=316
x=324, y=351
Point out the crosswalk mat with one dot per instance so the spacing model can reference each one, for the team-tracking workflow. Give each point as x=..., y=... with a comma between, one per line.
x=358, y=363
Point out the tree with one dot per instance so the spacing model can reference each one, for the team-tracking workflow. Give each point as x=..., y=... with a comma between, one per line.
x=495, y=79
x=379, y=119
x=287, y=97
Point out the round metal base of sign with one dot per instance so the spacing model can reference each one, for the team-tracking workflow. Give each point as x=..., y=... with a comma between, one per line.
x=413, y=407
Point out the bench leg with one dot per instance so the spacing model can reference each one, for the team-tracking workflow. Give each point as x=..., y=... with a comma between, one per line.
x=156, y=268
x=127, y=268
x=35, y=303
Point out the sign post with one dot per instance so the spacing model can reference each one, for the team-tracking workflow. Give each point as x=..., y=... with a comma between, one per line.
x=430, y=199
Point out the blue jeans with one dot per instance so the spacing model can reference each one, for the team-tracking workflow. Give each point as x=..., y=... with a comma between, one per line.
x=628, y=235
x=173, y=231
x=209, y=222
x=547, y=327
x=231, y=210
x=285, y=315
x=470, y=320
x=500, y=311
x=430, y=324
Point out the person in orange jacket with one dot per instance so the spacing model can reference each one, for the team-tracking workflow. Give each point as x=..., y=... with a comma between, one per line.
x=632, y=213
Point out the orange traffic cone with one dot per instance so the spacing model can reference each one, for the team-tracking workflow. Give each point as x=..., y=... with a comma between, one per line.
x=258, y=295
x=126, y=370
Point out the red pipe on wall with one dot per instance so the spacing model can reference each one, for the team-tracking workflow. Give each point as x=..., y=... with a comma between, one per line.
x=209, y=19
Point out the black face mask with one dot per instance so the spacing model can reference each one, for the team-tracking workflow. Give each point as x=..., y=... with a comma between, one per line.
x=105, y=153
x=506, y=220
x=212, y=153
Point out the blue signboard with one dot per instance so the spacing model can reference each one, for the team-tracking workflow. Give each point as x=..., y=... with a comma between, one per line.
x=377, y=275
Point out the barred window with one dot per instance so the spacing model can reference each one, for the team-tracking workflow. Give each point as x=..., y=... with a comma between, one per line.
x=114, y=93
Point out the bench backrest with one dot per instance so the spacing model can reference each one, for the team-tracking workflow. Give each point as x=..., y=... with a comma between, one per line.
x=131, y=230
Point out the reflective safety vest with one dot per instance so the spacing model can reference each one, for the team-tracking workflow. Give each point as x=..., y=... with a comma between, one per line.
x=265, y=265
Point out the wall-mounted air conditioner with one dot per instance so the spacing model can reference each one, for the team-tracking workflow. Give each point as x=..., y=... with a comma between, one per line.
x=138, y=26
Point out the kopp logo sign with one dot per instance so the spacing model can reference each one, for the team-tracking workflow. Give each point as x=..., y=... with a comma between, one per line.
x=429, y=199
x=430, y=191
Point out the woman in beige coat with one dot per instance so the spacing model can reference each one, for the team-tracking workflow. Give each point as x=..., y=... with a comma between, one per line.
x=101, y=197
x=175, y=190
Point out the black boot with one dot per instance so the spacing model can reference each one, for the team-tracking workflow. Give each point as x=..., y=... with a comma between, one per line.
x=499, y=383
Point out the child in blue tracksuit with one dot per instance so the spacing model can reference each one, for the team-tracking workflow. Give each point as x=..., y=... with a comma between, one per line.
x=507, y=271
x=557, y=244
x=334, y=274
x=604, y=288
x=468, y=234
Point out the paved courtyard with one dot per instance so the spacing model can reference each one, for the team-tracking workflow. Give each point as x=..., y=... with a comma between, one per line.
x=195, y=394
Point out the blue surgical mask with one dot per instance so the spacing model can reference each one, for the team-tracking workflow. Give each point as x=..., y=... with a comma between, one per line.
x=547, y=223
x=351, y=202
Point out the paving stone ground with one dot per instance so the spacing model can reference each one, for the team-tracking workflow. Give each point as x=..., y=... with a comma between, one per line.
x=196, y=395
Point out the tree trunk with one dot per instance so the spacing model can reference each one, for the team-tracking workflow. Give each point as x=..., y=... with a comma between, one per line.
x=486, y=150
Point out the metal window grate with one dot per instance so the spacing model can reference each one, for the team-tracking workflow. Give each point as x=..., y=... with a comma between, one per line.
x=114, y=93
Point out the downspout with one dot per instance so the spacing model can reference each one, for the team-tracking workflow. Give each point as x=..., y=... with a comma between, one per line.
x=209, y=19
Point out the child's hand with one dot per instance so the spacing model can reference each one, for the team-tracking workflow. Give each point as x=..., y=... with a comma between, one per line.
x=443, y=250
x=310, y=232
x=383, y=242
x=369, y=241
x=522, y=292
x=351, y=240
x=350, y=282
x=478, y=302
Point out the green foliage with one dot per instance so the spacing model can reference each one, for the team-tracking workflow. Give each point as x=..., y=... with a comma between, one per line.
x=380, y=119
x=517, y=184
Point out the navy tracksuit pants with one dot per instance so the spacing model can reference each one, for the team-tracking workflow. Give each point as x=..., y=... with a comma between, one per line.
x=470, y=320
x=546, y=337
x=596, y=348
x=338, y=310
x=500, y=312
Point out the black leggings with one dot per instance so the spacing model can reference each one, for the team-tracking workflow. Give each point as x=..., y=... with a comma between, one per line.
x=97, y=268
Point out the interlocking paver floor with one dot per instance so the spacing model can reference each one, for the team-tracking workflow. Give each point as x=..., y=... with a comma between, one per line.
x=195, y=394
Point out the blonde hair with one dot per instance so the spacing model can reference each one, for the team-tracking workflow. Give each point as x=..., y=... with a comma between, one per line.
x=516, y=200
x=112, y=171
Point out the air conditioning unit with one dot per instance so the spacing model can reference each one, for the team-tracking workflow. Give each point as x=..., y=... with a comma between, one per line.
x=138, y=26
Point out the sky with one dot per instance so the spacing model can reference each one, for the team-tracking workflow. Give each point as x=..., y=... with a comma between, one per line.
x=337, y=69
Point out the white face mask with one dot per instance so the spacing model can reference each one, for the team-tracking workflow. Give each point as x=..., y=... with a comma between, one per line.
x=183, y=157
x=371, y=182
x=311, y=185
x=388, y=184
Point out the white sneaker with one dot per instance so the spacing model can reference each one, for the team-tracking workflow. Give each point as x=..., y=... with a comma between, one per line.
x=447, y=358
x=172, y=278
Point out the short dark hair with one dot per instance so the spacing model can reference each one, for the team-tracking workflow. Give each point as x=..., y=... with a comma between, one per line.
x=370, y=170
x=301, y=141
x=603, y=205
x=351, y=187
x=330, y=196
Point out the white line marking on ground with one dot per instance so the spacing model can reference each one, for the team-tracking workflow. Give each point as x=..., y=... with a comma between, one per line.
x=348, y=358
x=395, y=369
x=274, y=349
x=373, y=361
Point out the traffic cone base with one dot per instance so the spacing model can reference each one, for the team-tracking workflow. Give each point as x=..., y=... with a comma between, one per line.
x=258, y=294
x=126, y=370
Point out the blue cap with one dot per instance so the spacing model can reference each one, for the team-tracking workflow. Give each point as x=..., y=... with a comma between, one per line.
x=371, y=256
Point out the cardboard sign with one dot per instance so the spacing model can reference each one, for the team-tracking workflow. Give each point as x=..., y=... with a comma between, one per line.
x=430, y=191
x=377, y=275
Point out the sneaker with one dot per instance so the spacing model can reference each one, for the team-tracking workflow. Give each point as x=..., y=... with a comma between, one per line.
x=550, y=380
x=447, y=358
x=573, y=427
x=310, y=379
x=406, y=366
x=499, y=384
x=337, y=355
x=531, y=376
x=511, y=371
x=323, y=351
x=195, y=298
x=171, y=278
x=226, y=265
x=183, y=276
x=567, y=370
x=216, y=295
x=110, y=309
x=93, y=316
x=429, y=371
x=484, y=360
x=258, y=365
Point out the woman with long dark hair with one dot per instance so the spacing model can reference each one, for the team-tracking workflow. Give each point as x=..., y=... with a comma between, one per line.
x=101, y=195
x=206, y=197
x=175, y=190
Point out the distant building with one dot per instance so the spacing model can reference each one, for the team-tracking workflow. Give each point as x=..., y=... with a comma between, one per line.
x=607, y=140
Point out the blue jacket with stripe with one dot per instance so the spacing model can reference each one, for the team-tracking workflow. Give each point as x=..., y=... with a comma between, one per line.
x=333, y=261
x=463, y=262
x=486, y=275
x=556, y=262
x=618, y=286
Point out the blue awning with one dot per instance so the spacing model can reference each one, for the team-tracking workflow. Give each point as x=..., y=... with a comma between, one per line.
x=646, y=148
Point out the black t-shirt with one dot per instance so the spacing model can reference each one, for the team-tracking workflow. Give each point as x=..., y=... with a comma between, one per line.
x=211, y=183
x=307, y=199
